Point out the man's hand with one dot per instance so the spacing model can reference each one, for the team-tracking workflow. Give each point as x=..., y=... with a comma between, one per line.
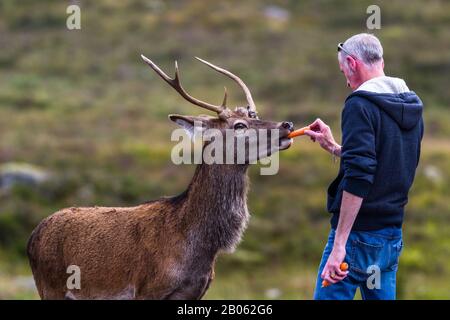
x=349, y=209
x=321, y=133
x=332, y=272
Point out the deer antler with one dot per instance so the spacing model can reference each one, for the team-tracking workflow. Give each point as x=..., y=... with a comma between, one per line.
x=222, y=111
x=241, y=83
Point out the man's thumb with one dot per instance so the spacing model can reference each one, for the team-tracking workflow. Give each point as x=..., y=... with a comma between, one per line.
x=311, y=133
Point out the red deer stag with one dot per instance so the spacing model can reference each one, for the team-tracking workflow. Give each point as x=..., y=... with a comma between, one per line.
x=163, y=249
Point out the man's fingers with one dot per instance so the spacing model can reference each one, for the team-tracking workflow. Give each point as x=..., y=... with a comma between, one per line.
x=326, y=276
x=333, y=273
x=340, y=273
x=312, y=134
x=336, y=273
x=318, y=125
x=321, y=123
x=329, y=279
x=340, y=277
x=323, y=274
x=315, y=126
x=314, y=122
x=325, y=271
x=333, y=278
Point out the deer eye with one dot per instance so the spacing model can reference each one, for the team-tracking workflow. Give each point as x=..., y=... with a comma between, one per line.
x=252, y=114
x=240, y=126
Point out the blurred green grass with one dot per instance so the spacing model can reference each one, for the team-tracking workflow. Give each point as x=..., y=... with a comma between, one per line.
x=83, y=107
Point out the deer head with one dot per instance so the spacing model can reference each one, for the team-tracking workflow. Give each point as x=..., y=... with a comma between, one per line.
x=242, y=125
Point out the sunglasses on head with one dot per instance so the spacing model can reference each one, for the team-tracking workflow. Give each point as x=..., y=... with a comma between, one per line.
x=341, y=48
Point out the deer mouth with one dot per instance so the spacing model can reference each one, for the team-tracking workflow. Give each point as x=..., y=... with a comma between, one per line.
x=285, y=143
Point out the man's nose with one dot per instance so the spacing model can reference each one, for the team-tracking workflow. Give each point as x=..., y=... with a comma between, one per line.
x=288, y=125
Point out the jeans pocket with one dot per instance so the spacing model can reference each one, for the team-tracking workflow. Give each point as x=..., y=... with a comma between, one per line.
x=396, y=250
x=364, y=255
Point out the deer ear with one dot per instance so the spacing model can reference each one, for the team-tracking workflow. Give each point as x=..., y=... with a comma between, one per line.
x=188, y=123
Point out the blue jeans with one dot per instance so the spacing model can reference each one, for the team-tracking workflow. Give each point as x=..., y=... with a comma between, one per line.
x=372, y=257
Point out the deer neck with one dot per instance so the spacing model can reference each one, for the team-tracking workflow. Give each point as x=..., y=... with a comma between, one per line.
x=216, y=206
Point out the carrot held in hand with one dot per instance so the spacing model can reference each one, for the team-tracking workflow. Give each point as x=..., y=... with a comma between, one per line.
x=298, y=132
x=343, y=267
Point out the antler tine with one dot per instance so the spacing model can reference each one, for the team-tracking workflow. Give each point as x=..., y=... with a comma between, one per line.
x=175, y=83
x=241, y=83
x=224, y=103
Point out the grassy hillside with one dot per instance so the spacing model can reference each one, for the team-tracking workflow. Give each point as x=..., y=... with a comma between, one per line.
x=81, y=107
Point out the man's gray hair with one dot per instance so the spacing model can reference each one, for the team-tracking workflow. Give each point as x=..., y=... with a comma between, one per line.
x=365, y=47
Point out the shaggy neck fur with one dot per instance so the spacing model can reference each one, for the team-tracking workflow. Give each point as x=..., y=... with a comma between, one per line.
x=216, y=203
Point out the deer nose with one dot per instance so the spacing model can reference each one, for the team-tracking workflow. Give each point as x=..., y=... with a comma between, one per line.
x=287, y=125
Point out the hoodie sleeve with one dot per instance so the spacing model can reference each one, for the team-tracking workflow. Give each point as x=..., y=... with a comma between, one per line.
x=358, y=147
x=420, y=141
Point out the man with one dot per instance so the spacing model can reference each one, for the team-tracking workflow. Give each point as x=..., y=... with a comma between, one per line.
x=382, y=128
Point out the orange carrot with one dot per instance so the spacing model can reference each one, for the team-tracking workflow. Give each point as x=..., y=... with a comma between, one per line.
x=298, y=132
x=343, y=267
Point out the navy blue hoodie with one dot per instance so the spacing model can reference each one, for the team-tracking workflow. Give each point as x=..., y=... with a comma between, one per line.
x=382, y=128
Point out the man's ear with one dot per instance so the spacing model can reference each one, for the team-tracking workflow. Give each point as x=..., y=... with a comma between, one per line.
x=188, y=123
x=351, y=63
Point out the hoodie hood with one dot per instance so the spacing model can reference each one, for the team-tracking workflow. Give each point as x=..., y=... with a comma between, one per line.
x=394, y=97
